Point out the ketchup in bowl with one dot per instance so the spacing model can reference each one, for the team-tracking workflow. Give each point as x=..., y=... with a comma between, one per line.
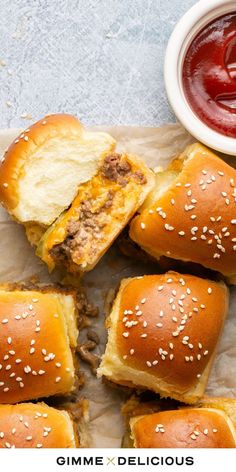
x=209, y=75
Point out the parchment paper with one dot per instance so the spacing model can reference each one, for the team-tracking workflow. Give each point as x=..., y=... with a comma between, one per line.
x=18, y=262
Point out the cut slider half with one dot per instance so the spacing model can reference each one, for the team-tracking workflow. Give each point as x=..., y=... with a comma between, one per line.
x=103, y=206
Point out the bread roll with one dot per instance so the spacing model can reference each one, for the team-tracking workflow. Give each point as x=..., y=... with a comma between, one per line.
x=184, y=428
x=103, y=206
x=29, y=425
x=44, y=166
x=38, y=334
x=191, y=214
x=162, y=334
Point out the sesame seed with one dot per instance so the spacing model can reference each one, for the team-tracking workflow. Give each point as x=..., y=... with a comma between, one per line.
x=215, y=430
x=57, y=379
x=209, y=290
x=1, y=435
x=139, y=313
x=142, y=225
x=205, y=431
x=4, y=321
x=169, y=227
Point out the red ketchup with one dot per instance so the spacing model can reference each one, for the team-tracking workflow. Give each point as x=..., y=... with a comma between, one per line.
x=209, y=75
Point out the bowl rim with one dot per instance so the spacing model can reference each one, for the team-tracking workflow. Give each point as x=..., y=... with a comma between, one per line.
x=191, y=22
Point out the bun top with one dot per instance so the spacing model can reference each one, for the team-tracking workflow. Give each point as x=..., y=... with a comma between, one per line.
x=46, y=163
x=36, y=336
x=169, y=325
x=37, y=425
x=194, y=217
x=185, y=428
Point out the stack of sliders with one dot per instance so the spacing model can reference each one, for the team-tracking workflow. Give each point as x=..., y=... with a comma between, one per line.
x=74, y=194
x=38, y=336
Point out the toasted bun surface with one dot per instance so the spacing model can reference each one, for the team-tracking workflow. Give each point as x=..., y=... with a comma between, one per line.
x=186, y=428
x=193, y=218
x=44, y=166
x=37, y=425
x=103, y=206
x=163, y=331
x=37, y=334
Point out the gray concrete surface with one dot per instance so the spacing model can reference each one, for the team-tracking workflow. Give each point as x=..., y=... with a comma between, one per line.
x=99, y=59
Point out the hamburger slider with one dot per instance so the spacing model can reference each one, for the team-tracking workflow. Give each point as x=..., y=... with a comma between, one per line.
x=37, y=425
x=71, y=190
x=191, y=214
x=210, y=424
x=162, y=334
x=38, y=335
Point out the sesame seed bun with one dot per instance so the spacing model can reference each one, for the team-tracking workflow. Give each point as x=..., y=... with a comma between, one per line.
x=102, y=208
x=37, y=425
x=191, y=214
x=162, y=334
x=37, y=336
x=44, y=166
x=185, y=428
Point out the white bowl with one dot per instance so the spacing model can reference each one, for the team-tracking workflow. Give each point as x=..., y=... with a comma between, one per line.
x=186, y=29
